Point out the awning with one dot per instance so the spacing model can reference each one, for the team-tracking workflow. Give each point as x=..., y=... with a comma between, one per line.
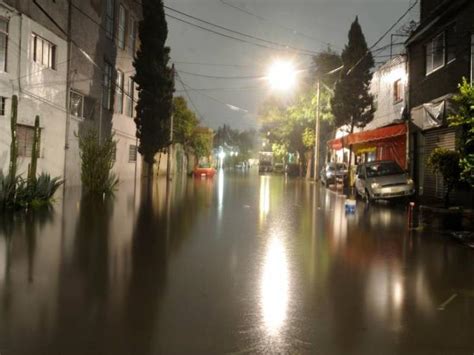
x=335, y=144
x=376, y=134
x=368, y=136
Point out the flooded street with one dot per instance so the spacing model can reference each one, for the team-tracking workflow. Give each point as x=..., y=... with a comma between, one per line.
x=239, y=264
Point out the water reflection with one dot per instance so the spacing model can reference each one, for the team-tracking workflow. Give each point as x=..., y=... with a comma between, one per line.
x=264, y=201
x=274, y=286
x=144, y=273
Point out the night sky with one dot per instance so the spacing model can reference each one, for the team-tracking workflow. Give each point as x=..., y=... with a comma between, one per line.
x=311, y=25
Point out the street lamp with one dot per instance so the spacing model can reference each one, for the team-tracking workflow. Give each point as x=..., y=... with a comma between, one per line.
x=282, y=75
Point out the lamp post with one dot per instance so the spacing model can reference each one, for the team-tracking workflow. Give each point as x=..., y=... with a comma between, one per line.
x=316, y=130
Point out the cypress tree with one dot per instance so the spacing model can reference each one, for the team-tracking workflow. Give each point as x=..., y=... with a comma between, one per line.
x=154, y=78
x=352, y=103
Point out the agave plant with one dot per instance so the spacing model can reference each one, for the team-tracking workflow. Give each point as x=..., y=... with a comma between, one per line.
x=43, y=189
x=8, y=187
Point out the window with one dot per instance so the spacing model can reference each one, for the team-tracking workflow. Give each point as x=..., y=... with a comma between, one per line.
x=76, y=104
x=114, y=153
x=107, y=87
x=3, y=102
x=130, y=105
x=25, y=137
x=121, y=27
x=435, y=54
x=44, y=52
x=3, y=44
x=132, y=35
x=397, y=91
x=132, y=154
x=109, y=18
x=119, y=92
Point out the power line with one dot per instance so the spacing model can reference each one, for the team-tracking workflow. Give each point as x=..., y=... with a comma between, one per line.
x=232, y=37
x=239, y=33
x=261, y=18
x=253, y=77
x=189, y=96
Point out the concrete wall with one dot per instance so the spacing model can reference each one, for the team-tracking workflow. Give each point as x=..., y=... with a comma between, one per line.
x=40, y=90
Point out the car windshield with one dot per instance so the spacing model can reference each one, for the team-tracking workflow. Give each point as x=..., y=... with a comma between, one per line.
x=383, y=169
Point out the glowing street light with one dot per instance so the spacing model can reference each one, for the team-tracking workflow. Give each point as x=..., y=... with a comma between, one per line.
x=282, y=75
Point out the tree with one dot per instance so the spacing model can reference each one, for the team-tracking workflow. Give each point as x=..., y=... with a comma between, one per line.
x=155, y=82
x=464, y=118
x=352, y=103
x=446, y=162
x=202, y=142
x=326, y=62
x=185, y=122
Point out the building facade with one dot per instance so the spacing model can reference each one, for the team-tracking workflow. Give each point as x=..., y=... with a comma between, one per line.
x=385, y=137
x=99, y=40
x=440, y=53
x=30, y=55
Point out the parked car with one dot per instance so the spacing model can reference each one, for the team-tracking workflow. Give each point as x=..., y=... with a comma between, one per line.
x=279, y=168
x=333, y=172
x=265, y=167
x=383, y=179
x=204, y=172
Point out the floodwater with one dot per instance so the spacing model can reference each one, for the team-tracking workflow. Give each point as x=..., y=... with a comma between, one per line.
x=239, y=264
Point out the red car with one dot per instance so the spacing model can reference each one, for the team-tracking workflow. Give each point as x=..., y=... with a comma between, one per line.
x=204, y=172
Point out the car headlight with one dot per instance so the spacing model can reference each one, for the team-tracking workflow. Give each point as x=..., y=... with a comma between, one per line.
x=410, y=181
x=375, y=185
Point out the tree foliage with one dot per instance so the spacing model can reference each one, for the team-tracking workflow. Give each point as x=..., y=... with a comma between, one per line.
x=464, y=119
x=202, y=142
x=352, y=103
x=185, y=122
x=446, y=163
x=155, y=81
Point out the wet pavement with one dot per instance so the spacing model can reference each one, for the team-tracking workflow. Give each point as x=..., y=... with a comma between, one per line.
x=241, y=264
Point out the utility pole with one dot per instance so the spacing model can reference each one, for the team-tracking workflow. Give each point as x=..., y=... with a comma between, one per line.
x=170, y=146
x=317, y=130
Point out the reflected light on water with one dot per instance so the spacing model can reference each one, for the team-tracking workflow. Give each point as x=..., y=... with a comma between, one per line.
x=274, y=287
x=264, y=196
x=220, y=190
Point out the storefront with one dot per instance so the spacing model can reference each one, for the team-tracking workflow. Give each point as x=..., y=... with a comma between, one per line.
x=386, y=143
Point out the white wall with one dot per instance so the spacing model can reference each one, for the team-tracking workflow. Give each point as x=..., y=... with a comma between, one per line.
x=382, y=86
x=41, y=91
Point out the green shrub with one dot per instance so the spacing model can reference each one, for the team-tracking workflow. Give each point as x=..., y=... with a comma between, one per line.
x=97, y=162
x=7, y=190
x=446, y=162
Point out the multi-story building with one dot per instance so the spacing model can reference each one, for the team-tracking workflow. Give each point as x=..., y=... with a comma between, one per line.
x=30, y=68
x=101, y=39
x=385, y=137
x=440, y=53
